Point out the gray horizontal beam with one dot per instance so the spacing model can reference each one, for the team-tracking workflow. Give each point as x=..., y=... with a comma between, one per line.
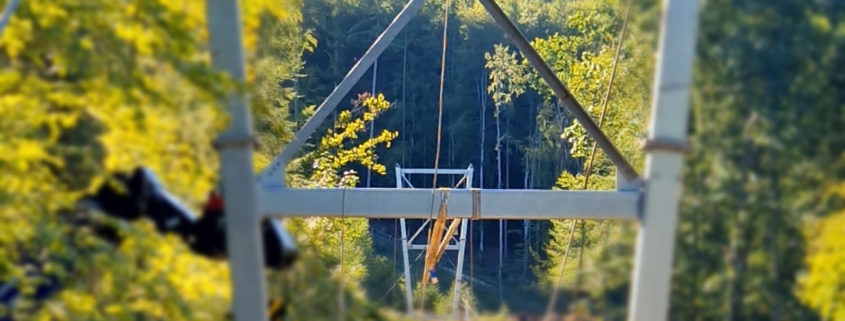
x=425, y=247
x=417, y=203
x=432, y=171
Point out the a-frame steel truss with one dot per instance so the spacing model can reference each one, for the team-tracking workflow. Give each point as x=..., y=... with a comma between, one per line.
x=654, y=204
x=408, y=243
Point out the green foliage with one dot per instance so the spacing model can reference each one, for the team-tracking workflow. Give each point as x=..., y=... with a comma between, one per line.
x=755, y=174
x=335, y=151
x=108, y=86
x=582, y=57
x=338, y=250
x=102, y=87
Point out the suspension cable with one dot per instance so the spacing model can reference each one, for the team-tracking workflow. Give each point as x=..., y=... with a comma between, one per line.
x=439, y=132
x=395, y=232
x=589, y=164
x=341, y=299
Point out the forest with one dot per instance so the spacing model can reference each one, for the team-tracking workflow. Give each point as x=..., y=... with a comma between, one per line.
x=93, y=88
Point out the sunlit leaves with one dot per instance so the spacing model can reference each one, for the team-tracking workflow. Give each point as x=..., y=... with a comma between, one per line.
x=336, y=251
x=582, y=58
x=821, y=288
x=95, y=87
x=340, y=146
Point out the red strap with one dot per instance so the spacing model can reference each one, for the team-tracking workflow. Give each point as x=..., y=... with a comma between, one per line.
x=215, y=202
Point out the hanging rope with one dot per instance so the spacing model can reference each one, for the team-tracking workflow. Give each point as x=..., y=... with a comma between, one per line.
x=439, y=128
x=471, y=256
x=395, y=283
x=395, y=232
x=589, y=164
x=341, y=299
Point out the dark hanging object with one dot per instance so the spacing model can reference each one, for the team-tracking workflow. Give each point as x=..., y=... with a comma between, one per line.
x=209, y=235
x=279, y=248
x=141, y=194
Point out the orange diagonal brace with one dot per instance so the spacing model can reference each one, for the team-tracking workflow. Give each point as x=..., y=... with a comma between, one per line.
x=445, y=242
x=435, y=237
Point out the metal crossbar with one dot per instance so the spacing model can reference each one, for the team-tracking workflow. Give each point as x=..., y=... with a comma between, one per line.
x=407, y=243
x=655, y=207
x=384, y=203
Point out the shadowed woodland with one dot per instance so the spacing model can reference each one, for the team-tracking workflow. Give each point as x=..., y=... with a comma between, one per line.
x=91, y=89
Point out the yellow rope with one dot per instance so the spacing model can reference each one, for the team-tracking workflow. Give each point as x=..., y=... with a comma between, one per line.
x=341, y=299
x=589, y=164
x=439, y=130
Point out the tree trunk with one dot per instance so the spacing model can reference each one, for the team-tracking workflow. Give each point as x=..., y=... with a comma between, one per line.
x=525, y=223
x=451, y=153
x=482, y=94
x=561, y=150
x=773, y=248
x=498, y=150
x=739, y=236
x=372, y=123
x=295, y=103
x=499, y=186
x=404, y=102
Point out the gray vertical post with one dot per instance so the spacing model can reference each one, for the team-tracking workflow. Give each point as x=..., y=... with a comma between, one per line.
x=459, y=269
x=409, y=303
x=656, y=239
x=239, y=190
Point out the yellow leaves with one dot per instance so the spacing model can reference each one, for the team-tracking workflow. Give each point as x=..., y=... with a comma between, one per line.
x=254, y=10
x=194, y=278
x=334, y=151
x=15, y=37
x=47, y=13
x=79, y=303
x=820, y=22
x=259, y=162
x=819, y=288
x=113, y=309
x=28, y=151
x=8, y=79
x=86, y=43
x=142, y=38
x=115, y=85
x=131, y=9
x=376, y=105
x=147, y=307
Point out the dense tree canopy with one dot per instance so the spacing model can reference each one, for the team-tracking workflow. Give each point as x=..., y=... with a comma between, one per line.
x=93, y=88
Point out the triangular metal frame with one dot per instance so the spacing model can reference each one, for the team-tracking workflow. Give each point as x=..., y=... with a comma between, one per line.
x=273, y=175
x=656, y=209
x=407, y=242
